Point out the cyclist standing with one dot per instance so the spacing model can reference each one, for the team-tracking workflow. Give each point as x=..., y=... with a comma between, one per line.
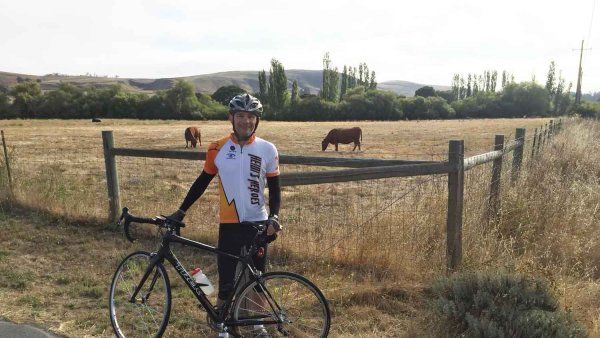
x=243, y=162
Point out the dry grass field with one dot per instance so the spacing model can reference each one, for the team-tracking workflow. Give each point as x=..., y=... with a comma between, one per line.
x=373, y=247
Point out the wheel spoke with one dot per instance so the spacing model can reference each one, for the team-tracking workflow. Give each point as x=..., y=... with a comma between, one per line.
x=148, y=315
x=291, y=300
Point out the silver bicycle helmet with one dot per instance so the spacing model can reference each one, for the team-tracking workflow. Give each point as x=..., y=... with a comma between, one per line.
x=247, y=103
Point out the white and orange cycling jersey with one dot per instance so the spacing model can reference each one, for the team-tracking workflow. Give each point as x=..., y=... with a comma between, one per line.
x=242, y=172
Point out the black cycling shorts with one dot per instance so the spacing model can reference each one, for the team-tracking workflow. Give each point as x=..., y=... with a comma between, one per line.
x=233, y=237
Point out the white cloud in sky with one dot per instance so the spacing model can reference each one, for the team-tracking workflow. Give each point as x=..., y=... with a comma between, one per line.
x=425, y=42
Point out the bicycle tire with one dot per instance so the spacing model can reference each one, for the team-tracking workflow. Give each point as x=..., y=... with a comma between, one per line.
x=146, y=317
x=303, y=309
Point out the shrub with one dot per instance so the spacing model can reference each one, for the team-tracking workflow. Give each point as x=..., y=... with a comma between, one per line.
x=481, y=105
x=500, y=305
x=526, y=98
x=588, y=109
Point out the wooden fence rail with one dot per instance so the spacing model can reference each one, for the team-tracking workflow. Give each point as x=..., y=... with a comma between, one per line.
x=283, y=159
x=361, y=174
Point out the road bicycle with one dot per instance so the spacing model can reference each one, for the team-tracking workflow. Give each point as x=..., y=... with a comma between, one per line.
x=273, y=304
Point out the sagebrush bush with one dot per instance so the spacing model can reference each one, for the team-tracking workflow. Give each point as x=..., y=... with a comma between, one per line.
x=500, y=305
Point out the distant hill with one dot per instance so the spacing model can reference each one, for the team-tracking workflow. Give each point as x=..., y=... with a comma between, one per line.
x=406, y=88
x=308, y=81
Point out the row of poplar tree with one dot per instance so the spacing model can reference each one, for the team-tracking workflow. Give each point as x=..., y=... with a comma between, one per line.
x=350, y=95
x=274, y=94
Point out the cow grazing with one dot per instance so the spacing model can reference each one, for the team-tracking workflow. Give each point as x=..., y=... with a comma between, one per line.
x=344, y=136
x=192, y=135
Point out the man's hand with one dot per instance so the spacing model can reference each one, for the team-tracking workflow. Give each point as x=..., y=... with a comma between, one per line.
x=273, y=225
x=178, y=215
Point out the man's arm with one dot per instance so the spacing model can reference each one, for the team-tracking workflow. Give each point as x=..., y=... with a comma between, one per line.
x=273, y=225
x=196, y=190
x=274, y=195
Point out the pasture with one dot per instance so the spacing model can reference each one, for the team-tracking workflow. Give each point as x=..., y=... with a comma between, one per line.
x=373, y=247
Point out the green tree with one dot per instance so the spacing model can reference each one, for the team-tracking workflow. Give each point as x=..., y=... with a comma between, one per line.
x=482, y=105
x=475, y=84
x=331, y=80
x=469, y=90
x=61, y=103
x=262, y=86
x=493, y=81
x=455, y=87
x=181, y=99
x=4, y=105
x=326, y=86
x=563, y=102
x=278, y=92
x=447, y=95
x=295, y=93
x=344, y=86
x=550, y=86
x=26, y=96
x=558, y=92
x=360, y=74
x=526, y=98
x=225, y=93
x=373, y=84
x=334, y=84
x=425, y=91
x=504, y=79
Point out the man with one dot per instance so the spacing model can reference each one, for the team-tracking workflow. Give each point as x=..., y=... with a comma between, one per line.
x=243, y=162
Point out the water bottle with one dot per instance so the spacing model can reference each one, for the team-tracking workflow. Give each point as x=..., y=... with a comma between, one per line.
x=201, y=278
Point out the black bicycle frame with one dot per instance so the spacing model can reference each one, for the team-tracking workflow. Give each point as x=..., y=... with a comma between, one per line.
x=165, y=253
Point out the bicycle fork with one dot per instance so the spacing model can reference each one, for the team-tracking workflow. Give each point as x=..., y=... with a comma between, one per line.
x=149, y=270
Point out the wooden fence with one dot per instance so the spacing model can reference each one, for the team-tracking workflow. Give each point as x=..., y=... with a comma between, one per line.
x=370, y=169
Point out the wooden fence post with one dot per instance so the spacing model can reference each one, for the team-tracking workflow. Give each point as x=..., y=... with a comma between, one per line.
x=559, y=127
x=496, y=177
x=537, y=150
x=112, y=179
x=535, y=135
x=7, y=165
x=544, y=137
x=455, y=205
x=518, y=154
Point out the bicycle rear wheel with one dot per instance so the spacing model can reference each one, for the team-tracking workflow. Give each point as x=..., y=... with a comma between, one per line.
x=148, y=316
x=295, y=303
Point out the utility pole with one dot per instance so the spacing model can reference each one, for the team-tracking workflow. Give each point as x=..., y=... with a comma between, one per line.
x=578, y=92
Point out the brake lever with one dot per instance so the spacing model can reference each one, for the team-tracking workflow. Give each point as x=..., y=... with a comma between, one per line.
x=125, y=211
x=172, y=220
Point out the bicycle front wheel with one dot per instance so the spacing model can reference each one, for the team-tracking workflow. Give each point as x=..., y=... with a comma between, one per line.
x=148, y=314
x=288, y=304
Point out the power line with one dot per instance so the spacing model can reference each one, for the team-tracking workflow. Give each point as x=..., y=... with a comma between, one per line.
x=591, y=21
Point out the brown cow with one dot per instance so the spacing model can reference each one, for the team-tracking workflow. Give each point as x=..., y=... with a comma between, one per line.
x=344, y=136
x=192, y=135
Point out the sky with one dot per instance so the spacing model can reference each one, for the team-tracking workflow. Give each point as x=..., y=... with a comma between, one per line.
x=419, y=41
